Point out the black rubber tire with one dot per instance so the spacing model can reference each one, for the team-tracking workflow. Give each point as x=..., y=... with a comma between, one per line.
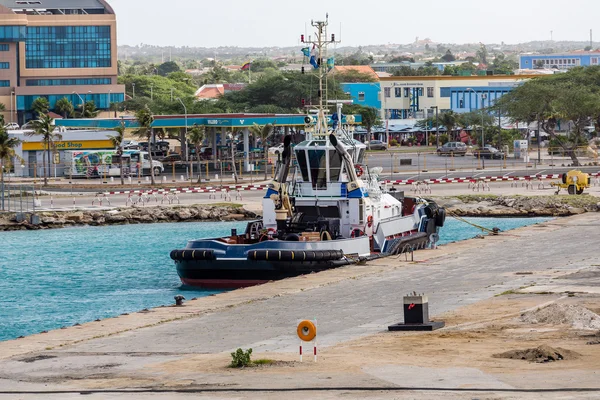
x=292, y=237
x=428, y=211
x=571, y=189
x=579, y=191
x=156, y=171
x=440, y=218
x=564, y=178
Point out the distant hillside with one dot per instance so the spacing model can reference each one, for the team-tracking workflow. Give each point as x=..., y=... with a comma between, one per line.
x=420, y=48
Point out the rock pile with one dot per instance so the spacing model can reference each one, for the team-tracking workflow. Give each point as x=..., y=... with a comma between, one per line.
x=563, y=314
x=518, y=206
x=540, y=354
x=59, y=219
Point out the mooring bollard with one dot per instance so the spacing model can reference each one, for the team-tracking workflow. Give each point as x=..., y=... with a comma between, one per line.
x=179, y=300
x=416, y=315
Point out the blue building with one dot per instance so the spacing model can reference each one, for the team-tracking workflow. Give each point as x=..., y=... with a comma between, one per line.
x=57, y=49
x=466, y=99
x=364, y=93
x=559, y=61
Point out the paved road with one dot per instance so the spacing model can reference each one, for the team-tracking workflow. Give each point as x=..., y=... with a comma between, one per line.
x=345, y=310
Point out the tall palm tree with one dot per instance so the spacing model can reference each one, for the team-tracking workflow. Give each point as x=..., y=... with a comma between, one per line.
x=449, y=119
x=263, y=131
x=64, y=107
x=40, y=106
x=7, y=151
x=117, y=141
x=196, y=136
x=45, y=128
x=145, y=118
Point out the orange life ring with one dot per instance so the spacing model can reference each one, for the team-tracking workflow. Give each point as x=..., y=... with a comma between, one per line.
x=370, y=221
x=359, y=170
x=306, y=330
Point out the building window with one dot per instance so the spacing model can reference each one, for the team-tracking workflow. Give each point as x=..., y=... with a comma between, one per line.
x=4, y=83
x=12, y=33
x=69, y=82
x=387, y=92
x=594, y=61
x=361, y=96
x=407, y=92
x=429, y=92
x=4, y=47
x=398, y=92
x=68, y=47
x=420, y=91
x=4, y=65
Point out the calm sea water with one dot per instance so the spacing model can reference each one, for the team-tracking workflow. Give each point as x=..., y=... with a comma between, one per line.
x=55, y=278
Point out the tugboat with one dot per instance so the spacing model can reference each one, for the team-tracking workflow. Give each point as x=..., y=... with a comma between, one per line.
x=333, y=211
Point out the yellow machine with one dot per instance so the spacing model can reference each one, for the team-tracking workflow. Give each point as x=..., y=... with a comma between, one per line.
x=574, y=181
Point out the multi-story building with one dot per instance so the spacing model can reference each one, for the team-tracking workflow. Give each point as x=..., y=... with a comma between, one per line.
x=559, y=61
x=364, y=93
x=406, y=97
x=56, y=49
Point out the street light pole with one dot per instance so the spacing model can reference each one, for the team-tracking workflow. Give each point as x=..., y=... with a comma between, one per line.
x=82, y=102
x=186, y=135
x=437, y=126
x=133, y=90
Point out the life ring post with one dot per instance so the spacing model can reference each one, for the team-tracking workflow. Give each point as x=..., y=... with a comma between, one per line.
x=307, y=332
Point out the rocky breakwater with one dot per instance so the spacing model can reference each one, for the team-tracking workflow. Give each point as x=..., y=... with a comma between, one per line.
x=60, y=219
x=518, y=206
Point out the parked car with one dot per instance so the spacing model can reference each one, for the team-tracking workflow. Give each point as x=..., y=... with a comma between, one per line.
x=488, y=152
x=29, y=125
x=276, y=150
x=129, y=143
x=376, y=145
x=11, y=126
x=171, y=158
x=452, y=148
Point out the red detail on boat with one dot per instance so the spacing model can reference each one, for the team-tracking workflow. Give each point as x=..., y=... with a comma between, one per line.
x=222, y=283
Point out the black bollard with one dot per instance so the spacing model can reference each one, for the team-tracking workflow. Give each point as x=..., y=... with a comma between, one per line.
x=179, y=300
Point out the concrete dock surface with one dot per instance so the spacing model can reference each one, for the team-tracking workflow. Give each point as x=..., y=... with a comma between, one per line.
x=479, y=287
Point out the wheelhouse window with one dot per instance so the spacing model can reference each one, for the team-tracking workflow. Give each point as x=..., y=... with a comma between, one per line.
x=301, y=157
x=318, y=168
x=335, y=165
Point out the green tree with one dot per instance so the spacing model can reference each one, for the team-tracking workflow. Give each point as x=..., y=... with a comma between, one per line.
x=117, y=141
x=40, y=106
x=89, y=110
x=64, y=107
x=448, y=57
x=482, y=54
x=573, y=96
x=44, y=127
x=7, y=152
x=503, y=65
x=196, y=136
x=449, y=120
x=145, y=119
x=259, y=65
x=166, y=68
x=263, y=132
x=370, y=118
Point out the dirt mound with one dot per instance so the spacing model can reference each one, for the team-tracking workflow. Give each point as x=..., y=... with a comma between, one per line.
x=577, y=316
x=540, y=354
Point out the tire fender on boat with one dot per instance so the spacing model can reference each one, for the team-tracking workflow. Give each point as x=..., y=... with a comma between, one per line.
x=306, y=330
x=440, y=217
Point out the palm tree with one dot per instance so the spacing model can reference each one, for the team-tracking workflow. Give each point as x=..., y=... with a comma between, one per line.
x=145, y=118
x=45, y=128
x=196, y=136
x=263, y=132
x=448, y=119
x=7, y=151
x=117, y=141
x=64, y=107
x=40, y=106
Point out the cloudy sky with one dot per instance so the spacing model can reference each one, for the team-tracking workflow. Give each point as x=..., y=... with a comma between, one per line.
x=212, y=23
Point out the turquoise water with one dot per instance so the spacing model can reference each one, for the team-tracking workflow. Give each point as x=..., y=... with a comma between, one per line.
x=55, y=278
